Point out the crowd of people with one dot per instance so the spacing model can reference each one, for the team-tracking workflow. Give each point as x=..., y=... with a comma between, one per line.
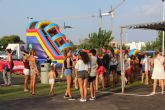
x=91, y=68
x=30, y=69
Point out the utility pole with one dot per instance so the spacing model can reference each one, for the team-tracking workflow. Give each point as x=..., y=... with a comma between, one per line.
x=111, y=14
x=100, y=19
x=163, y=31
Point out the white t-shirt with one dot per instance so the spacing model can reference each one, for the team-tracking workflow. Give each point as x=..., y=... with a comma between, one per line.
x=93, y=65
x=146, y=62
x=80, y=66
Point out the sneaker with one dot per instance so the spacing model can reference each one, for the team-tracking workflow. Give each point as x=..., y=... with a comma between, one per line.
x=162, y=92
x=4, y=85
x=152, y=93
x=66, y=96
x=84, y=100
x=9, y=84
x=81, y=100
x=91, y=99
x=71, y=98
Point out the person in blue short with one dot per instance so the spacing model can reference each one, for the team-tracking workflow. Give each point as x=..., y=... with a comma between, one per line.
x=67, y=71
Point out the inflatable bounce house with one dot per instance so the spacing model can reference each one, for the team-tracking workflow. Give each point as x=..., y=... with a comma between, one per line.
x=46, y=39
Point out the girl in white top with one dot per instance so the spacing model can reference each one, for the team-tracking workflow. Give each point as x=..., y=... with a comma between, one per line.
x=146, y=63
x=158, y=71
x=82, y=70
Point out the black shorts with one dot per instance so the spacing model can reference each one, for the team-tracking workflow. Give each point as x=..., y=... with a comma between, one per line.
x=91, y=78
x=113, y=68
x=82, y=74
x=118, y=72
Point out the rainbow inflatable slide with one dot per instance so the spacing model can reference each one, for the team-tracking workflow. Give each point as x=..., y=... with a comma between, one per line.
x=47, y=40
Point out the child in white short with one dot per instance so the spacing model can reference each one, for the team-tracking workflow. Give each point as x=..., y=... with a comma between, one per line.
x=52, y=75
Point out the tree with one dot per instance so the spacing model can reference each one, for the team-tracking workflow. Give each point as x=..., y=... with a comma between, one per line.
x=97, y=40
x=5, y=40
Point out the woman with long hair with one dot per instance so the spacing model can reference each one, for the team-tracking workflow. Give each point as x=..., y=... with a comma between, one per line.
x=33, y=71
x=67, y=71
x=158, y=71
x=82, y=69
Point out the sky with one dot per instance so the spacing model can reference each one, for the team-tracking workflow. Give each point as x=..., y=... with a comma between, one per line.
x=78, y=14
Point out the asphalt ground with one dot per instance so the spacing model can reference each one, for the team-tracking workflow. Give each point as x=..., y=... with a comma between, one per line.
x=137, y=98
x=134, y=98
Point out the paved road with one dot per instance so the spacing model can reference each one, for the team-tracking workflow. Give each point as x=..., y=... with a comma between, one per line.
x=105, y=101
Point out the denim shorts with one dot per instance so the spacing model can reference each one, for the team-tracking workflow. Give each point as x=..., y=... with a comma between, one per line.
x=67, y=72
x=83, y=74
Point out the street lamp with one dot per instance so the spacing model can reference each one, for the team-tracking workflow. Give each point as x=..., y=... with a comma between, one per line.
x=163, y=31
x=67, y=27
x=29, y=19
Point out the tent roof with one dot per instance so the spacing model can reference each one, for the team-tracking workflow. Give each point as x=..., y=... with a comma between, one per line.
x=160, y=26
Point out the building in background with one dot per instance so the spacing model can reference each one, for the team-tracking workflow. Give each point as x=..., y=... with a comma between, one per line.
x=134, y=45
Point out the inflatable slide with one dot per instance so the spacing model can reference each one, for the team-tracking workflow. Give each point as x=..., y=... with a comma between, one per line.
x=47, y=40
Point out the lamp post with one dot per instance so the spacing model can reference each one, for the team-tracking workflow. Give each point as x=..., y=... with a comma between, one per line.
x=67, y=27
x=163, y=31
x=29, y=19
x=100, y=19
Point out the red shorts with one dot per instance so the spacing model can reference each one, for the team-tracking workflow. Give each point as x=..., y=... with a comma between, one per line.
x=128, y=71
x=100, y=70
x=147, y=72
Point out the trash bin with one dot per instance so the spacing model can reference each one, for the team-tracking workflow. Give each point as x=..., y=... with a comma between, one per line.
x=45, y=68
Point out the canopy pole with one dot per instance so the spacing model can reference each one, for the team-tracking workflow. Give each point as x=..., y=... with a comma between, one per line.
x=163, y=31
x=122, y=62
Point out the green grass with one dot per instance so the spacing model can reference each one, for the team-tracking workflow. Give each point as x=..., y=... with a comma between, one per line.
x=16, y=92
